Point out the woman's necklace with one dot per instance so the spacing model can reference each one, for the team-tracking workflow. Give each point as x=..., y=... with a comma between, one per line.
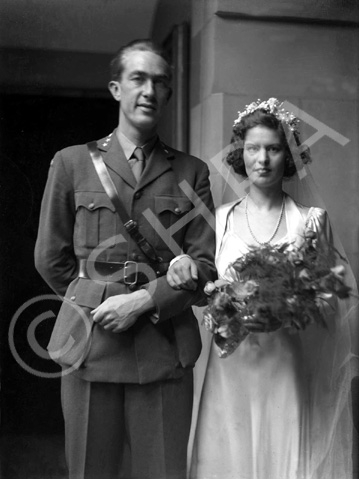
x=276, y=228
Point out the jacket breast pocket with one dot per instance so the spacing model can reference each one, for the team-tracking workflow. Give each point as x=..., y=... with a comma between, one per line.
x=170, y=211
x=96, y=220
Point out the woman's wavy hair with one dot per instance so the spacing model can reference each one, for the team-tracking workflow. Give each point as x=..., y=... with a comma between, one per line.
x=261, y=117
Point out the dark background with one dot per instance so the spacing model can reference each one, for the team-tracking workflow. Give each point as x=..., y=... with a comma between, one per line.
x=32, y=129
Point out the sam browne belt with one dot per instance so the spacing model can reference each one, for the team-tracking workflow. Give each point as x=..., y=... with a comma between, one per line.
x=111, y=191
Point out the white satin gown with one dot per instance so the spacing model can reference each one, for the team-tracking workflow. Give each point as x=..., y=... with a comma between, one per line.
x=253, y=415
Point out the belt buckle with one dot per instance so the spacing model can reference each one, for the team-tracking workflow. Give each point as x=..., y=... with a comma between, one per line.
x=127, y=264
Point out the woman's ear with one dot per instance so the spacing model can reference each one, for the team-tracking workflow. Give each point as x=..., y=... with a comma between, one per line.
x=115, y=89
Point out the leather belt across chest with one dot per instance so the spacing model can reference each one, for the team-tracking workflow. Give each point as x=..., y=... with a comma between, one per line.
x=128, y=272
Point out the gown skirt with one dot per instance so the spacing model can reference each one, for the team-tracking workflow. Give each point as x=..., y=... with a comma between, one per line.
x=253, y=410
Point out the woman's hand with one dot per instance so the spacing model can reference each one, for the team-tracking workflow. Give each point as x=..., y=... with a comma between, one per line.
x=183, y=274
x=210, y=286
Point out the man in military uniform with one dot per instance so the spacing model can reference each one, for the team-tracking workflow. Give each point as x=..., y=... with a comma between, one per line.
x=127, y=341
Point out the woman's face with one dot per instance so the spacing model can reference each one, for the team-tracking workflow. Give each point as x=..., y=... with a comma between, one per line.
x=264, y=156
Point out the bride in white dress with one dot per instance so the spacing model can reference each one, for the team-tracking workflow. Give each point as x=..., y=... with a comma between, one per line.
x=254, y=402
x=278, y=407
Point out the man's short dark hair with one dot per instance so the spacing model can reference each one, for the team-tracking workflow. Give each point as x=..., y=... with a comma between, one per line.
x=143, y=45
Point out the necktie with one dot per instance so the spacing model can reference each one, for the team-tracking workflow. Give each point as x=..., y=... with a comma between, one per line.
x=137, y=162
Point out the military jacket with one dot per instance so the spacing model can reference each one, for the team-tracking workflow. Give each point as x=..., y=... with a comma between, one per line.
x=173, y=207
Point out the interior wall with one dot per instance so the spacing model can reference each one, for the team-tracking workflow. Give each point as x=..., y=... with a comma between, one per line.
x=248, y=52
x=64, y=45
x=65, y=25
x=168, y=14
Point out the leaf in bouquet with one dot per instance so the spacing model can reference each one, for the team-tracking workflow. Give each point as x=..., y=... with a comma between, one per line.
x=227, y=346
x=296, y=323
x=263, y=312
x=342, y=290
x=284, y=246
x=308, y=313
x=334, y=284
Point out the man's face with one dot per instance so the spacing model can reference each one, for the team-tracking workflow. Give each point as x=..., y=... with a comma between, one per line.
x=143, y=91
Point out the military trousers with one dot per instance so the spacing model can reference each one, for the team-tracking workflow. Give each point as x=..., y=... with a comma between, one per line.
x=127, y=431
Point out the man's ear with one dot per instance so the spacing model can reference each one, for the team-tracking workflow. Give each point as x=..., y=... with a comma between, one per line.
x=169, y=94
x=115, y=89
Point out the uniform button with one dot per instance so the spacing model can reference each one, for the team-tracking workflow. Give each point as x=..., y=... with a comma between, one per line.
x=132, y=287
x=73, y=298
x=134, y=256
x=177, y=211
x=92, y=206
x=138, y=195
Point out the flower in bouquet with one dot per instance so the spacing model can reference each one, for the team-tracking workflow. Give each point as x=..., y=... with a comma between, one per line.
x=274, y=286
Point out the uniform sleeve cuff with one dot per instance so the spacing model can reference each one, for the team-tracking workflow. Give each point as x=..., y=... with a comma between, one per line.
x=177, y=258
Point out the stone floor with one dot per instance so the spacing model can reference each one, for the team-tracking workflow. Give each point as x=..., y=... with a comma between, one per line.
x=34, y=456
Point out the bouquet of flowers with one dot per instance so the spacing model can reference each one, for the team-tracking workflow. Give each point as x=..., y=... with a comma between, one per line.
x=275, y=287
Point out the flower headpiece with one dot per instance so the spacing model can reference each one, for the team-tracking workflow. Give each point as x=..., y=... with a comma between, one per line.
x=273, y=106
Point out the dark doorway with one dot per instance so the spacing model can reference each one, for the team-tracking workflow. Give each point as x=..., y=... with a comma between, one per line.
x=32, y=129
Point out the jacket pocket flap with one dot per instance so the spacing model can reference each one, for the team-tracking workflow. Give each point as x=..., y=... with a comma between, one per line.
x=93, y=200
x=88, y=293
x=176, y=204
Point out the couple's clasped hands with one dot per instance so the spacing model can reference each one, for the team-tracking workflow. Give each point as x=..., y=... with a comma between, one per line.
x=120, y=312
x=183, y=275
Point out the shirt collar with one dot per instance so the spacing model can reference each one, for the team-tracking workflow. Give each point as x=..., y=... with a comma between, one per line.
x=129, y=147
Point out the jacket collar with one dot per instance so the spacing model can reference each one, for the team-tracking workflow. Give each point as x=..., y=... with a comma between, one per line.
x=157, y=164
x=114, y=157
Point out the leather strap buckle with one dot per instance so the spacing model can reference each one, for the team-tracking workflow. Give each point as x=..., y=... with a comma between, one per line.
x=127, y=264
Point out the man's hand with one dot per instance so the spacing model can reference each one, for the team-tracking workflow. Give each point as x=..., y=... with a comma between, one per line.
x=120, y=312
x=183, y=274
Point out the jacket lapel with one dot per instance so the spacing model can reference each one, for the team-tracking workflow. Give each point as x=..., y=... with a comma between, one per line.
x=157, y=164
x=115, y=159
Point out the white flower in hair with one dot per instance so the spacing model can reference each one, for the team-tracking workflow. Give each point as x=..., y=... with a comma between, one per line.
x=273, y=106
